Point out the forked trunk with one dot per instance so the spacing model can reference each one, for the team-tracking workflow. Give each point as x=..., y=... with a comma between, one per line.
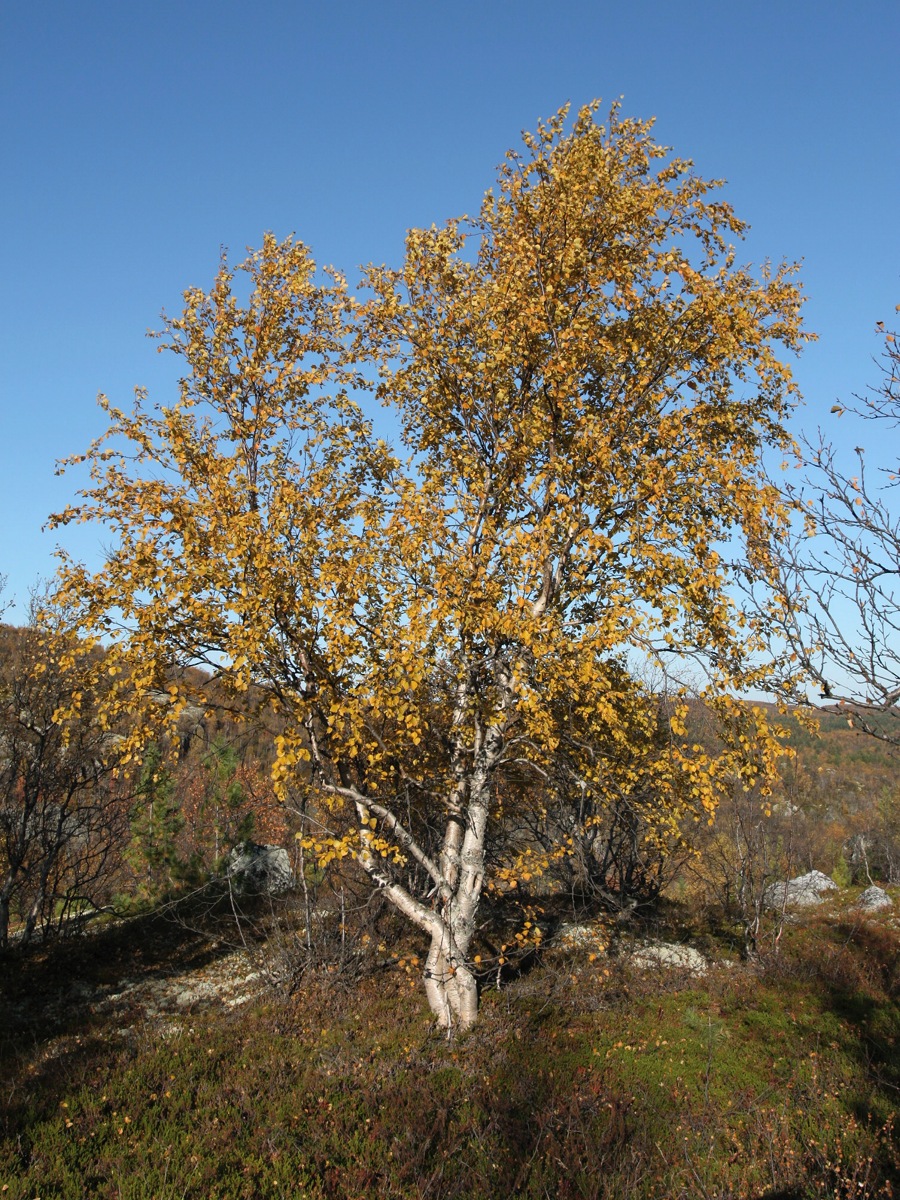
x=457, y=875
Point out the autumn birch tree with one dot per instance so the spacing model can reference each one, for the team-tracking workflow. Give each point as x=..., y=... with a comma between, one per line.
x=585, y=381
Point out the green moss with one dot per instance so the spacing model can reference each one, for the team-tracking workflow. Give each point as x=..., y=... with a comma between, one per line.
x=572, y=1084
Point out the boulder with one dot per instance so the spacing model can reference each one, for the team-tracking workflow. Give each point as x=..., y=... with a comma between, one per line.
x=801, y=892
x=587, y=937
x=670, y=955
x=263, y=870
x=874, y=899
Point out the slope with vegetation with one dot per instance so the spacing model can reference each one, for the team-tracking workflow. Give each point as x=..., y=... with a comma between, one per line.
x=583, y=1078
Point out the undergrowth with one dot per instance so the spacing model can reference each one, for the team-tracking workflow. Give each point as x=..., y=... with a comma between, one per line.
x=582, y=1079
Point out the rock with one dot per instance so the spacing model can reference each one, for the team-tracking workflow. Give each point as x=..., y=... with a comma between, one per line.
x=801, y=892
x=670, y=955
x=265, y=870
x=874, y=899
x=589, y=937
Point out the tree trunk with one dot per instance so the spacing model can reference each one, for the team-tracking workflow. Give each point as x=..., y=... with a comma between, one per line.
x=37, y=903
x=447, y=913
x=6, y=895
x=449, y=984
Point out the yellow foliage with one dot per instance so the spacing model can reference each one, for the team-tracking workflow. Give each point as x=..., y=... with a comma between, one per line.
x=585, y=380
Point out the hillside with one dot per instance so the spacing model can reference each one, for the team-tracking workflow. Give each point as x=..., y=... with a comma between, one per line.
x=148, y=1059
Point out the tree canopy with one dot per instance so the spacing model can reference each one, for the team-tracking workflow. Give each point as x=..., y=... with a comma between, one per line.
x=585, y=382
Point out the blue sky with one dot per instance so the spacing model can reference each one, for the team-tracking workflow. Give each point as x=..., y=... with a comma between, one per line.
x=139, y=139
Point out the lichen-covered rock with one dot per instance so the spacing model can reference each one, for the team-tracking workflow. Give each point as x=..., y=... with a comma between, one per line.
x=801, y=892
x=588, y=937
x=263, y=870
x=670, y=955
x=874, y=899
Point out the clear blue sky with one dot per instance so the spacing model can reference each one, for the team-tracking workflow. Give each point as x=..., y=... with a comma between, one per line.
x=139, y=139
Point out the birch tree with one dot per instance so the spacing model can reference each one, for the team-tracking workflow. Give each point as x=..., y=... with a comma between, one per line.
x=63, y=812
x=584, y=381
x=842, y=568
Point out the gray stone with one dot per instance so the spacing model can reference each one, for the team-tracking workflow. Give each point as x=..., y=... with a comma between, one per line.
x=265, y=870
x=670, y=955
x=801, y=892
x=874, y=899
x=589, y=937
